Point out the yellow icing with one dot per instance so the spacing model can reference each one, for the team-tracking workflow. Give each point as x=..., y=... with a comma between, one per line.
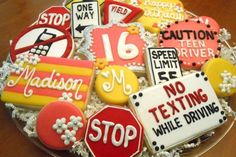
x=213, y=69
x=43, y=67
x=118, y=95
x=155, y=14
x=69, y=4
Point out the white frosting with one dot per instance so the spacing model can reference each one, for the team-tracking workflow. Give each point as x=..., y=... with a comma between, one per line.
x=109, y=86
x=107, y=47
x=107, y=127
x=120, y=129
x=130, y=130
x=228, y=83
x=125, y=51
x=97, y=129
x=60, y=125
x=68, y=137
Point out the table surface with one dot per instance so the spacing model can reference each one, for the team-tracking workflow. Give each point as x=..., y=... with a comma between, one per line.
x=17, y=14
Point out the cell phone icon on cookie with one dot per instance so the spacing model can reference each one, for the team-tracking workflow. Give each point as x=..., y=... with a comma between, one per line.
x=42, y=50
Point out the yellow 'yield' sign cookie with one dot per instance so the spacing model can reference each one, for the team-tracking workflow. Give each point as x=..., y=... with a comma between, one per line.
x=159, y=13
x=222, y=76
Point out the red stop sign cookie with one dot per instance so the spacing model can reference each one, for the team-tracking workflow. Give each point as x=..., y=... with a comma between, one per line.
x=115, y=132
x=60, y=124
x=195, y=42
x=55, y=16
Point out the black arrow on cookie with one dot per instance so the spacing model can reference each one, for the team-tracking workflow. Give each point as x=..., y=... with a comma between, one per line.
x=80, y=28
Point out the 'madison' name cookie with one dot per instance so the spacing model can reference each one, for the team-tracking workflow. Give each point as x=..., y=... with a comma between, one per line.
x=119, y=44
x=36, y=81
x=114, y=131
x=162, y=64
x=172, y=109
x=114, y=84
x=159, y=13
x=195, y=42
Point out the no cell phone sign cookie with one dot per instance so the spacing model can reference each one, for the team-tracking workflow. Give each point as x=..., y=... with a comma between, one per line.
x=42, y=40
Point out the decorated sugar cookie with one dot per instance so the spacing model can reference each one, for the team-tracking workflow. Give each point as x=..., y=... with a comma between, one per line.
x=114, y=84
x=36, y=81
x=42, y=40
x=222, y=78
x=177, y=111
x=84, y=14
x=162, y=65
x=56, y=16
x=120, y=44
x=115, y=12
x=60, y=124
x=208, y=21
x=68, y=3
x=159, y=13
x=115, y=132
x=195, y=42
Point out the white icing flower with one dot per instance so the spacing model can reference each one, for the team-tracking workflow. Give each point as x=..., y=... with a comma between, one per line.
x=68, y=137
x=60, y=125
x=21, y=59
x=15, y=68
x=3, y=75
x=224, y=35
x=228, y=82
x=66, y=97
x=179, y=9
x=34, y=59
x=75, y=123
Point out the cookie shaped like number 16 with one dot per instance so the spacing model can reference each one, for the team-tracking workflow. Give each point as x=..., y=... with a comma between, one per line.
x=120, y=44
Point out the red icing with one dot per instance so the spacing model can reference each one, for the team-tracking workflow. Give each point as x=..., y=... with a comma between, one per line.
x=135, y=11
x=101, y=149
x=55, y=16
x=14, y=52
x=47, y=118
x=114, y=33
x=198, y=51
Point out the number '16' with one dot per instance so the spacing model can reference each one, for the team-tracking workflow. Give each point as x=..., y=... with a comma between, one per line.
x=125, y=51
